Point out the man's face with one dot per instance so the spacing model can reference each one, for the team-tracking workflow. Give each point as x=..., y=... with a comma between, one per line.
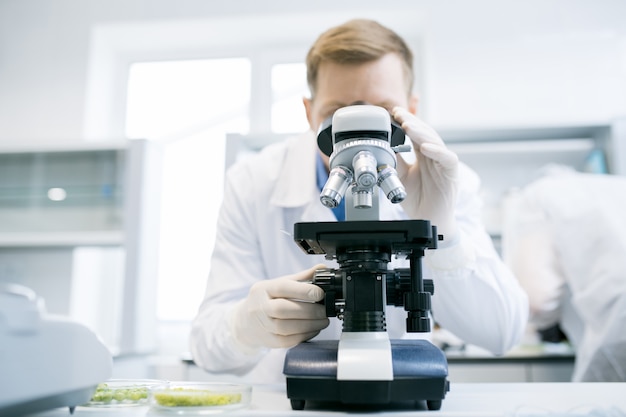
x=381, y=83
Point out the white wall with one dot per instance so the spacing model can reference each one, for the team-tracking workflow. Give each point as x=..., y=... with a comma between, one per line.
x=534, y=63
x=487, y=62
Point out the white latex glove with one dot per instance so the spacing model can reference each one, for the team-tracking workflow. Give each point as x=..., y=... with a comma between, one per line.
x=431, y=182
x=280, y=312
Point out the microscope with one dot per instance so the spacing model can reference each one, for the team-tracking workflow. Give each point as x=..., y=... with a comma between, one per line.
x=364, y=367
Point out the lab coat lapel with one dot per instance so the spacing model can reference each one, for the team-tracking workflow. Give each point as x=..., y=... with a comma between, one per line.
x=296, y=186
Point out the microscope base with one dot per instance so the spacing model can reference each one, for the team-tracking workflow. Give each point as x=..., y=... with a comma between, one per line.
x=420, y=372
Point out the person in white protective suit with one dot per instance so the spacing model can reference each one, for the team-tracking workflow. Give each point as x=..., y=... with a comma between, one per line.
x=564, y=237
x=256, y=302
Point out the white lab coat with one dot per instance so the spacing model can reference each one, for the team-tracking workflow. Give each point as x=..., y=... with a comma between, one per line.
x=564, y=236
x=476, y=296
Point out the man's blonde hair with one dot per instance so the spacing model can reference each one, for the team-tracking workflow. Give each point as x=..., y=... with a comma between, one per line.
x=357, y=41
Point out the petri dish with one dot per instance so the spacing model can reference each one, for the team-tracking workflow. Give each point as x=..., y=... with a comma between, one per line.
x=199, y=397
x=123, y=393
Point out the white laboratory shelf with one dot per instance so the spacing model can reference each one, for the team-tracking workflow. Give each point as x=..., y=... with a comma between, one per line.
x=61, y=146
x=57, y=239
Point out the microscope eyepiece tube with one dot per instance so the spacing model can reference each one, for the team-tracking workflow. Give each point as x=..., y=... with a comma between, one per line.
x=335, y=188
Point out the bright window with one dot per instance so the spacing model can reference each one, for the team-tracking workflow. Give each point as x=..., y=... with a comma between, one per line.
x=189, y=106
x=288, y=88
x=172, y=99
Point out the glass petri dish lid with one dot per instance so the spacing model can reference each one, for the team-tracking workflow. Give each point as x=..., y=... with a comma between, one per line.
x=199, y=397
x=123, y=393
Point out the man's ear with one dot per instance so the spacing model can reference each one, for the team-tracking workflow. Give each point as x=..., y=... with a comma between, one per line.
x=308, y=103
x=413, y=103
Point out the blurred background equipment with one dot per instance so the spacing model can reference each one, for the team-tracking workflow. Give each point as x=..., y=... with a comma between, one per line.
x=47, y=361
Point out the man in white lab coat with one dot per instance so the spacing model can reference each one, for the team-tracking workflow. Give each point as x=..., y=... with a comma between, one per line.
x=564, y=236
x=256, y=305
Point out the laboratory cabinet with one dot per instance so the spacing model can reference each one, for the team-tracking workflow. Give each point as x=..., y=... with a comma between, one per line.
x=63, y=197
x=524, y=363
x=79, y=225
x=507, y=159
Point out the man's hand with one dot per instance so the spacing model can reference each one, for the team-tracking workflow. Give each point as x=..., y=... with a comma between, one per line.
x=280, y=312
x=431, y=182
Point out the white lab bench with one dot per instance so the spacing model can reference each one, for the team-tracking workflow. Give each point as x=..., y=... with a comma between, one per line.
x=478, y=399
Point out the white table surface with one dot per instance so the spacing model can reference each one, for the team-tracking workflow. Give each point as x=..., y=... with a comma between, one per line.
x=500, y=399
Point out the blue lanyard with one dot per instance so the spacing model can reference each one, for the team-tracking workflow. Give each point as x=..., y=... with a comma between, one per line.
x=322, y=177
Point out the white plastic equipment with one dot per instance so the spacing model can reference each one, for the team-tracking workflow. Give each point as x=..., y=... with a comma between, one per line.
x=46, y=361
